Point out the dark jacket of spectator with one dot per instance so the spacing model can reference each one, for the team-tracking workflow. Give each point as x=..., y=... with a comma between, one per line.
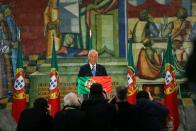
x=70, y=118
x=100, y=115
x=37, y=118
x=152, y=115
x=127, y=113
x=127, y=119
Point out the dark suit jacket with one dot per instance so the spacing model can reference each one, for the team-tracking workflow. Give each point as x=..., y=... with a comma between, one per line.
x=35, y=120
x=70, y=118
x=100, y=115
x=151, y=115
x=85, y=70
x=127, y=114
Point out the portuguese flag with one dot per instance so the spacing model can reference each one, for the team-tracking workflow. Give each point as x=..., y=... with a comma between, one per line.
x=54, y=94
x=132, y=89
x=19, y=96
x=84, y=83
x=171, y=101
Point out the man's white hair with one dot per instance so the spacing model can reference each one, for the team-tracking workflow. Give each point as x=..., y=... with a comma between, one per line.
x=92, y=51
x=71, y=99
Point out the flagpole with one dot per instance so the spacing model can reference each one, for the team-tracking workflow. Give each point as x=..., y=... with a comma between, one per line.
x=54, y=85
x=19, y=95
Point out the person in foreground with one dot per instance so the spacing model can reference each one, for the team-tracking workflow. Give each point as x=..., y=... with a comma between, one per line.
x=36, y=118
x=127, y=113
x=92, y=68
x=152, y=115
x=100, y=115
x=70, y=118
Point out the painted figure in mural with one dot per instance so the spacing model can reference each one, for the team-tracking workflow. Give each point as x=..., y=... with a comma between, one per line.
x=65, y=43
x=9, y=41
x=15, y=34
x=4, y=35
x=149, y=61
x=144, y=27
x=180, y=30
x=74, y=44
x=69, y=46
x=51, y=26
x=4, y=49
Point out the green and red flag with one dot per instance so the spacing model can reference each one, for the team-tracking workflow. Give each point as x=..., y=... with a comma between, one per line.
x=84, y=83
x=170, y=90
x=19, y=96
x=54, y=94
x=132, y=88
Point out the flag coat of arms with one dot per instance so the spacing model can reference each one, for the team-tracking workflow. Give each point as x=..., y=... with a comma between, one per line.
x=19, y=96
x=84, y=83
x=54, y=85
x=132, y=88
x=170, y=90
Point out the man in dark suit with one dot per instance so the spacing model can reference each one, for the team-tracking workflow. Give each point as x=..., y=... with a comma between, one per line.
x=92, y=68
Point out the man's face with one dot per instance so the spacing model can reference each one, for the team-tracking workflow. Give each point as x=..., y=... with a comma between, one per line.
x=93, y=58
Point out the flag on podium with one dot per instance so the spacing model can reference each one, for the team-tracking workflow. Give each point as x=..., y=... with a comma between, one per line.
x=132, y=88
x=84, y=83
x=170, y=91
x=54, y=94
x=19, y=96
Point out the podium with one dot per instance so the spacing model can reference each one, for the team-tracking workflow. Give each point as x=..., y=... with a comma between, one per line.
x=84, y=83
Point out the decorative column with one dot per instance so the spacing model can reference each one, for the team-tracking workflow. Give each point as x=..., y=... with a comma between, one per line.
x=122, y=22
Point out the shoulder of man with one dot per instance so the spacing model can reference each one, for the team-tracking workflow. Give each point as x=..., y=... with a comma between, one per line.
x=100, y=65
x=85, y=65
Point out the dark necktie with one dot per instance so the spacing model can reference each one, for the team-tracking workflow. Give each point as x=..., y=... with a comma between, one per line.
x=93, y=70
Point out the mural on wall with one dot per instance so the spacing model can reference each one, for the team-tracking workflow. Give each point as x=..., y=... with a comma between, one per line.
x=72, y=24
x=76, y=26
x=9, y=38
x=151, y=24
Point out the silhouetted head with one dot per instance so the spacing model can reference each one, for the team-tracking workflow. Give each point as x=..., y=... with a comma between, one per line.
x=96, y=89
x=142, y=95
x=41, y=104
x=121, y=93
